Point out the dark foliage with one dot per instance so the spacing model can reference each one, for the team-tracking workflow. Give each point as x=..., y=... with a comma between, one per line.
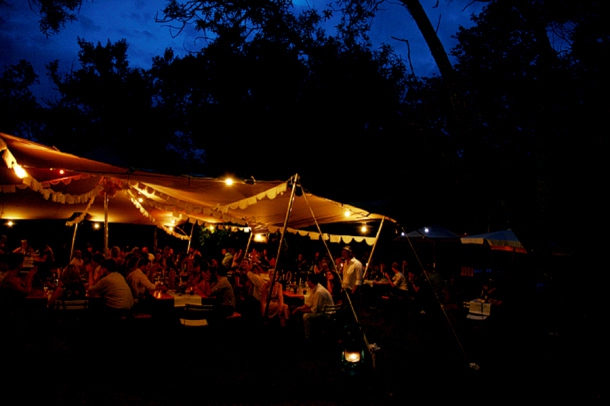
x=510, y=140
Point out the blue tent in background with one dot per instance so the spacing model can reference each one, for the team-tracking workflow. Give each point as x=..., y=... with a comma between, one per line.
x=504, y=240
x=434, y=243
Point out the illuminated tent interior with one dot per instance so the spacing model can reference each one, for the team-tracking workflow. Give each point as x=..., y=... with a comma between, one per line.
x=56, y=185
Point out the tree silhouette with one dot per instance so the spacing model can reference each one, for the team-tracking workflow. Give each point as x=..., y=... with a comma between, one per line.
x=20, y=109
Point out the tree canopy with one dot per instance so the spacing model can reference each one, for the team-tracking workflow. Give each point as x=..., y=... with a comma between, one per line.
x=515, y=141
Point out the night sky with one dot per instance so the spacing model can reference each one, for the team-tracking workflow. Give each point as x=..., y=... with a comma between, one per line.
x=134, y=20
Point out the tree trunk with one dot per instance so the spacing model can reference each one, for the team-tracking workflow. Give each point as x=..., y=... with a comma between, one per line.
x=434, y=43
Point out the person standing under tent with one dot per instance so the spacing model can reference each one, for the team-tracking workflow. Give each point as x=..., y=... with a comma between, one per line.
x=352, y=277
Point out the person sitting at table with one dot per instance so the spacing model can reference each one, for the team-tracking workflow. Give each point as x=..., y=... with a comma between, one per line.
x=44, y=262
x=314, y=305
x=254, y=286
x=95, y=265
x=112, y=288
x=398, y=281
x=158, y=265
x=239, y=280
x=194, y=275
x=320, y=267
x=333, y=284
x=141, y=287
x=14, y=288
x=27, y=254
x=206, y=281
x=117, y=255
x=490, y=293
x=71, y=286
x=223, y=293
x=276, y=307
x=77, y=259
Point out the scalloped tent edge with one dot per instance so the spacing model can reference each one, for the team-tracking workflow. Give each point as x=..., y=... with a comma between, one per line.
x=57, y=185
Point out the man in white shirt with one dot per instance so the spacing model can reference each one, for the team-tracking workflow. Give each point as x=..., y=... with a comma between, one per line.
x=313, y=307
x=112, y=287
x=138, y=281
x=352, y=276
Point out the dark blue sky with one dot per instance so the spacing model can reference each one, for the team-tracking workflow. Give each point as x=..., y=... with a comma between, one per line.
x=134, y=20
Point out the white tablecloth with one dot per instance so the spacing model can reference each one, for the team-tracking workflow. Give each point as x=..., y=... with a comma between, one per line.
x=182, y=299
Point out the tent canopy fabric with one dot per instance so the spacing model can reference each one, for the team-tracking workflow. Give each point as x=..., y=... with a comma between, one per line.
x=61, y=186
x=503, y=240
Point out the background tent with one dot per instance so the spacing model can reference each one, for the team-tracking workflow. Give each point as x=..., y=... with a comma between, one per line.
x=504, y=240
x=433, y=246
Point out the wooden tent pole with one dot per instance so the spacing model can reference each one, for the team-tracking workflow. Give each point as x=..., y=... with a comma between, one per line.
x=188, y=246
x=106, y=253
x=73, y=240
x=368, y=263
x=295, y=184
x=248, y=244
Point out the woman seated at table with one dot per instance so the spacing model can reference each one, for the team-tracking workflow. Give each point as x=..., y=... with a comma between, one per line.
x=204, y=286
x=277, y=307
x=194, y=275
x=71, y=286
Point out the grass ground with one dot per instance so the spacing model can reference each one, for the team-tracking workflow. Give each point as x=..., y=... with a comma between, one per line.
x=523, y=354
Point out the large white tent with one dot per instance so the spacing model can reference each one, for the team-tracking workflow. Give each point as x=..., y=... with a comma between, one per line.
x=57, y=185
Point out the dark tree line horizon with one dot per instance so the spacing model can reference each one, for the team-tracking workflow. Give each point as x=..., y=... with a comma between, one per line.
x=513, y=136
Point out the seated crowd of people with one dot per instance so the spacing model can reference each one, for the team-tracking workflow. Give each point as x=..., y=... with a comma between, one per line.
x=127, y=280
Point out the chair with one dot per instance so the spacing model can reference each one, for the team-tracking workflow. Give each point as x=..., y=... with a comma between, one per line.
x=334, y=314
x=71, y=312
x=195, y=315
x=478, y=310
x=333, y=311
x=72, y=305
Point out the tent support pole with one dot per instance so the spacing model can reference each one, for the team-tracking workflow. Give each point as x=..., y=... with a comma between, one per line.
x=188, y=246
x=106, y=253
x=248, y=244
x=73, y=240
x=295, y=184
x=368, y=262
x=347, y=295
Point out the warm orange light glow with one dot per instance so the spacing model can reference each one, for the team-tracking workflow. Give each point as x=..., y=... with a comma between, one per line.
x=10, y=223
x=260, y=237
x=229, y=181
x=352, y=356
x=363, y=229
x=347, y=213
x=19, y=171
x=61, y=172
